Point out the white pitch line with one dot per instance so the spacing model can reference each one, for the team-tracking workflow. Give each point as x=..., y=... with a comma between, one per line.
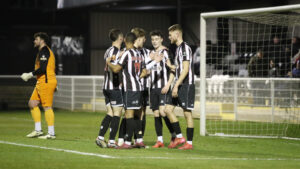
x=145, y=157
x=57, y=149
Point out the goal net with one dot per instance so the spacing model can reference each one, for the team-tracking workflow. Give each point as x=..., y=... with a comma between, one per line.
x=249, y=73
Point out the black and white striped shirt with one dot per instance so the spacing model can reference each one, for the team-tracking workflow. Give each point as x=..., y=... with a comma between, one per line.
x=112, y=80
x=132, y=63
x=184, y=53
x=159, y=72
x=146, y=80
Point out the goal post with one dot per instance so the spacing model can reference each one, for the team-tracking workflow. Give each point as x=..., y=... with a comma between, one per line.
x=245, y=33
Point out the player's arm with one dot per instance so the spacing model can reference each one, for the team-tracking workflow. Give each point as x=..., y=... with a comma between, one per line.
x=116, y=68
x=144, y=73
x=166, y=88
x=182, y=76
x=43, y=58
x=153, y=59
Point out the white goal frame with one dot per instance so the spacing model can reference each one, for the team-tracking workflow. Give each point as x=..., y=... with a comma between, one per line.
x=203, y=17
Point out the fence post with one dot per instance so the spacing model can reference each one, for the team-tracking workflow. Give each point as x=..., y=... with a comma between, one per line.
x=272, y=98
x=72, y=93
x=94, y=94
x=235, y=98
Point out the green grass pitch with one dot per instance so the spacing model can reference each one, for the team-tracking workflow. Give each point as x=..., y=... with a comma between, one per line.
x=75, y=147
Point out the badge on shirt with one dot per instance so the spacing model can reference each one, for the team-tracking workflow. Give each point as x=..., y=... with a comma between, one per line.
x=43, y=57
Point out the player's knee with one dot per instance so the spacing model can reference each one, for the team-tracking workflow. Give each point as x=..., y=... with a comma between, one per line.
x=47, y=108
x=156, y=113
x=32, y=104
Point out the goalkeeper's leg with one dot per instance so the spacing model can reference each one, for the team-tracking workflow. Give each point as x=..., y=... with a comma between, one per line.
x=36, y=116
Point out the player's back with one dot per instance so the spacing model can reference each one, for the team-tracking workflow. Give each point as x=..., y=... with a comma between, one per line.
x=46, y=54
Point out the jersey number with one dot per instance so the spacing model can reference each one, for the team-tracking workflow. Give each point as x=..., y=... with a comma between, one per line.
x=137, y=67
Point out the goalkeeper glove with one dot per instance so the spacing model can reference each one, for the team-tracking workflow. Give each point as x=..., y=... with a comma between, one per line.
x=26, y=76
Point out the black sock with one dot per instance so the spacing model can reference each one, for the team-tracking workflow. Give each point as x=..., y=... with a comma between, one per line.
x=176, y=127
x=144, y=124
x=114, y=125
x=139, y=126
x=189, y=134
x=122, y=129
x=169, y=125
x=158, y=126
x=136, y=121
x=130, y=124
x=104, y=125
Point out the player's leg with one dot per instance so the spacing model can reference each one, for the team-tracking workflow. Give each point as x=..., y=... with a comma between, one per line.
x=154, y=105
x=163, y=99
x=138, y=129
x=100, y=141
x=117, y=106
x=46, y=93
x=114, y=125
x=33, y=103
x=176, y=126
x=146, y=103
x=122, y=131
x=189, y=99
x=132, y=103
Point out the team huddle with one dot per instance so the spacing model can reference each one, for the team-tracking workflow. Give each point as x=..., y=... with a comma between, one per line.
x=131, y=76
x=134, y=72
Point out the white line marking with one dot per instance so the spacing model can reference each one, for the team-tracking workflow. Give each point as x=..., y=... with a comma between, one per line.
x=145, y=157
x=57, y=149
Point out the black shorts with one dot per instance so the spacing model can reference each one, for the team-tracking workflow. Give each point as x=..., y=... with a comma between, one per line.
x=113, y=97
x=145, y=98
x=157, y=99
x=132, y=100
x=186, y=97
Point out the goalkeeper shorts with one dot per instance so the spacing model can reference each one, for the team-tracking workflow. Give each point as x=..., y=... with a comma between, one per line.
x=44, y=92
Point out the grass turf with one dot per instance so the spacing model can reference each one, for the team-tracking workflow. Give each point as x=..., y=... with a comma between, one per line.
x=77, y=131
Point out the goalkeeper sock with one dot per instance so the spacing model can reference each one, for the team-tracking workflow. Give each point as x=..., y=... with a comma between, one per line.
x=36, y=116
x=49, y=115
x=104, y=125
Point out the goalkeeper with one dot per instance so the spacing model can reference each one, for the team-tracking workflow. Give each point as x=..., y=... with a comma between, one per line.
x=44, y=90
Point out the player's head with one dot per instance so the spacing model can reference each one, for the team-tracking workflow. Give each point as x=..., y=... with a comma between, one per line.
x=141, y=36
x=175, y=32
x=260, y=53
x=129, y=39
x=156, y=38
x=116, y=35
x=40, y=38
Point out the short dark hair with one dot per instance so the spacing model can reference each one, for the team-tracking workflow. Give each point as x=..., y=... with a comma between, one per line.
x=43, y=36
x=156, y=33
x=139, y=32
x=175, y=27
x=130, y=37
x=114, y=34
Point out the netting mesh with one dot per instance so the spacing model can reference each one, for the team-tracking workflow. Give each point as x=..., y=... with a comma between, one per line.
x=250, y=61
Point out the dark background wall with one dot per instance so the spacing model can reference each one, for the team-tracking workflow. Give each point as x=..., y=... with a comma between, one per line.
x=20, y=19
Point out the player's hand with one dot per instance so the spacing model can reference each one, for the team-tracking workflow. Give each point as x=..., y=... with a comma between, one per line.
x=158, y=57
x=152, y=55
x=26, y=76
x=175, y=92
x=172, y=67
x=108, y=59
x=165, y=89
